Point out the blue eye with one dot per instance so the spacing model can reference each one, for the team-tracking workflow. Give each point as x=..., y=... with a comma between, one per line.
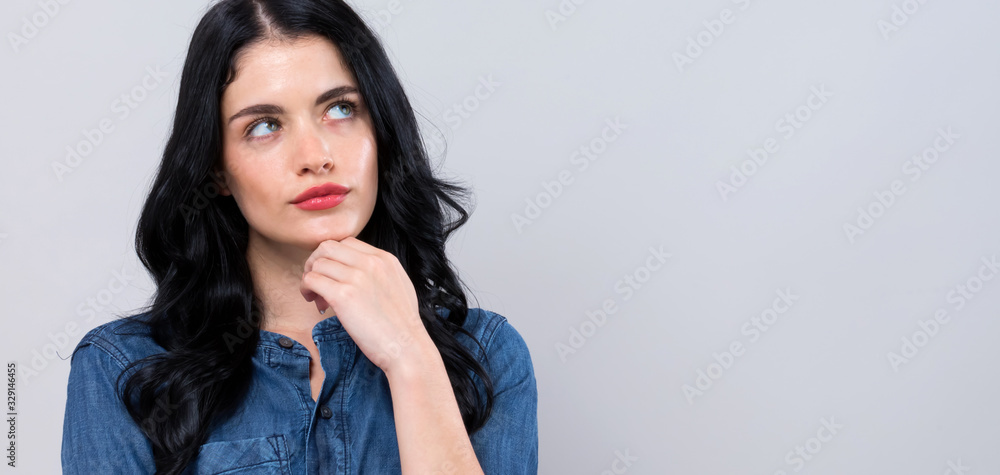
x=265, y=123
x=340, y=106
x=346, y=107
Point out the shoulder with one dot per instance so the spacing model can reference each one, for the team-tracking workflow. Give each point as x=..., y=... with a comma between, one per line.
x=501, y=342
x=507, y=442
x=124, y=340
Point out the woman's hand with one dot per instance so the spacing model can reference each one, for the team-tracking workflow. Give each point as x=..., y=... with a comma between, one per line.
x=371, y=295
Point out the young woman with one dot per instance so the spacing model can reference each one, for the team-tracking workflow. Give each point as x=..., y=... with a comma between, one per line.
x=306, y=317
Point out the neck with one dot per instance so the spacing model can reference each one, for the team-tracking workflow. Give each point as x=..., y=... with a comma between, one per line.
x=277, y=275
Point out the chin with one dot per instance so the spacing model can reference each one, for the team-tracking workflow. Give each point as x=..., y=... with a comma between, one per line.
x=336, y=236
x=322, y=230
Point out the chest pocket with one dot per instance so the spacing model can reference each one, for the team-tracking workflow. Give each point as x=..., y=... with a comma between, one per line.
x=260, y=455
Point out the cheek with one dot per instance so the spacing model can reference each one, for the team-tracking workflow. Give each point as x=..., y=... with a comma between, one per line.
x=371, y=172
x=369, y=163
x=253, y=182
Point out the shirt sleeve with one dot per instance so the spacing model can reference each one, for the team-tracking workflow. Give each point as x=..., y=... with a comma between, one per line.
x=508, y=443
x=99, y=436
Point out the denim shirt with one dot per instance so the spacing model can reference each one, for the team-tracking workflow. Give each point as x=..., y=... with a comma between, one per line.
x=279, y=428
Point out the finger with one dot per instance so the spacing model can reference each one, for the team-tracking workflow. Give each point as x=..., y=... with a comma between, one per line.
x=361, y=246
x=319, y=289
x=383, y=255
x=314, y=282
x=331, y=272
x=333, y=250
x=336, y=270
x=317, y=299
x=321, y=304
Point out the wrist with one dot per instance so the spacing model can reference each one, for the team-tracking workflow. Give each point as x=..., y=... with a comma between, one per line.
x=411, y=358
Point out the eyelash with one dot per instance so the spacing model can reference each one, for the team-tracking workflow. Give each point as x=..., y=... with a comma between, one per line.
x=264, y=119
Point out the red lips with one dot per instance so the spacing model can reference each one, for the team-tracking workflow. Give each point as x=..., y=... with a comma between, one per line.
x=321, y=190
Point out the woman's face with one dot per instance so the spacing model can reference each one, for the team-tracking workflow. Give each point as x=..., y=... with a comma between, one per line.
x=286, y=129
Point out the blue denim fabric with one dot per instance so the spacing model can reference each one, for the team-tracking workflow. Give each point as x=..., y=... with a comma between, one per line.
x=279, y=428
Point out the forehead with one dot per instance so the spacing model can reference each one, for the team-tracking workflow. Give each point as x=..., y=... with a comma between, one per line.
x=273, y=68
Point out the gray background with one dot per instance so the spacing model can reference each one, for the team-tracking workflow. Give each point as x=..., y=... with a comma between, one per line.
x=620, y=393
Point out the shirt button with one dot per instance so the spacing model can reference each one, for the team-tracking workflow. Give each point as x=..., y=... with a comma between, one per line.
x=325, y=412
x=286, y=342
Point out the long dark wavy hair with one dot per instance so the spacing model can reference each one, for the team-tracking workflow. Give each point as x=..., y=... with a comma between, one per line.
x=193, y=241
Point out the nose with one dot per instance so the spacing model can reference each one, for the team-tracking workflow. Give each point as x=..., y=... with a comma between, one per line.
x=313, y=152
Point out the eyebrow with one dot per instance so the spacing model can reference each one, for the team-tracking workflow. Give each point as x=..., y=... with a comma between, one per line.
x=273, y=109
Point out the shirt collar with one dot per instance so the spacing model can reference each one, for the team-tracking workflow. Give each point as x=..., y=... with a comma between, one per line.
x=328, y=326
